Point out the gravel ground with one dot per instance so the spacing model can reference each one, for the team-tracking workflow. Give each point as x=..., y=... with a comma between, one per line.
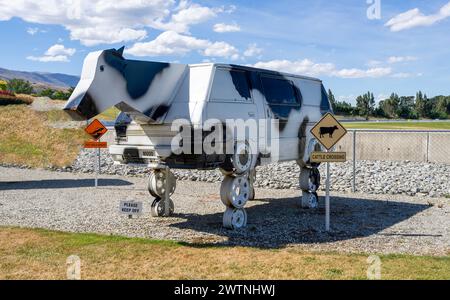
x=360, y=223
x=372, y=177
x=47, y=104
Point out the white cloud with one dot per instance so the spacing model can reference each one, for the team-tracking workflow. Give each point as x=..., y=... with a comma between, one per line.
x=222, y=49
x=391, y=60
x=415, y=18
x=400, y=59
x=360, y=73
x=309, y=68
x=94, y=22
x=406, y=75
x=229, y=10
x=222, y=27
x=253, y=50
x=402, y=75
x=173, y=43
x=193, y=14
x=45, y=58
x=374, y=63
x=32, y=31
x=35, y=30
x=304, y=67
x=56, y=53
x=185, y=15
x=59, y=49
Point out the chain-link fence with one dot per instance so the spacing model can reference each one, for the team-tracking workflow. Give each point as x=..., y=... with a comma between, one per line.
x=396, y=162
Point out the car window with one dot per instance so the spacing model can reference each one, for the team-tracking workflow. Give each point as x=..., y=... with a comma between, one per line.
x=230, y=85
x=279, y=91
x=324, y=103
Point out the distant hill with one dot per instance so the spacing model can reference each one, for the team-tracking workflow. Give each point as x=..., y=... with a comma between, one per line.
x=42, y=80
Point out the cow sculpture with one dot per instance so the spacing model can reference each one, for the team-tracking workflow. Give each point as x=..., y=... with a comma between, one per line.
x=158, y=100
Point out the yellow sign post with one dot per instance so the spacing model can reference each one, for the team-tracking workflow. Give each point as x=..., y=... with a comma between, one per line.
x=328, y=157
x=328, y=131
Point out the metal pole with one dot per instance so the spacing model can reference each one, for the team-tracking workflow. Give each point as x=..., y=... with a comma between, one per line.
x=354, y=162
x=327, y=199
x=428, y=146
x=167, y=194
x=97, y=172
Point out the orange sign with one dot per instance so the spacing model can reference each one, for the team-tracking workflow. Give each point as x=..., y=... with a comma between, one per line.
x=96, y=129
x=95, y=144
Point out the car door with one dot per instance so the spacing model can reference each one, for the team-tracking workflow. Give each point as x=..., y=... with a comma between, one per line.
x=281, y=99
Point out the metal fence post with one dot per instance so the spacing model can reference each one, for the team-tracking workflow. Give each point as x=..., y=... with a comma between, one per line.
x=428, y=147
x=354, y=162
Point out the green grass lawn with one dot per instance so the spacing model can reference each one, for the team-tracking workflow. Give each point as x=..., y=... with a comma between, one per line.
x=43, y=254
x=399, y=125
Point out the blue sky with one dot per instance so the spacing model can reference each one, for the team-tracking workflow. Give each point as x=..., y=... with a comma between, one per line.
x=404, y=50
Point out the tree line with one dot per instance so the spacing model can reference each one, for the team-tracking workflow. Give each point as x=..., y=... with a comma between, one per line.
x=395, y=107
x=20, y=86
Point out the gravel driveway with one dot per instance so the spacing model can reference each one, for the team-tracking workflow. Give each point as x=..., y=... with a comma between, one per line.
x=372, y=177
x=360, y=223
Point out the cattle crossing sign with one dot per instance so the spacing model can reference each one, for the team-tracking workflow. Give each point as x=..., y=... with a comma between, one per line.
x=328, y=131
x=329, y=157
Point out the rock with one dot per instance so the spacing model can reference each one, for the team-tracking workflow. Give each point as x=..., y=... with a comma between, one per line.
x=372, y=177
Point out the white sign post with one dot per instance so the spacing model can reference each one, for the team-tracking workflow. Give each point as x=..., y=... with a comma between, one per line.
x=97, y=170
x=96, y=129
x=327, y=199
x=328, y=131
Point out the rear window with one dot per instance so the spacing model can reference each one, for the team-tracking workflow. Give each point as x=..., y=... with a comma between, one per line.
x=230, y=85
x=279, y=91
x=324, y=103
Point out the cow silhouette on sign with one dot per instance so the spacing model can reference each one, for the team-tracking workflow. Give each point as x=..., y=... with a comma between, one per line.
x=327, y=130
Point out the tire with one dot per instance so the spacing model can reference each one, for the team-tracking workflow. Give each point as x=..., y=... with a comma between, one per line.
x=235, y=218
x=242, y=159
x=309, y=179
x=310, y=200
x=157, y=209
x=235, y=191
x=251, y=196
x=156, y=183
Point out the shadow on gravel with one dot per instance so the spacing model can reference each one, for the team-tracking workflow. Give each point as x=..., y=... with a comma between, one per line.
x=274, y=223
x=60, y=184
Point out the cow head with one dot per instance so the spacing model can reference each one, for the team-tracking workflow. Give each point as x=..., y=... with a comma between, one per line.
x=100, y=85
x=144, y=89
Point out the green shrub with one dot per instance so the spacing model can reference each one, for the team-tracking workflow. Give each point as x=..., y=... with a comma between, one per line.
x=20, y=86
x=3, y=85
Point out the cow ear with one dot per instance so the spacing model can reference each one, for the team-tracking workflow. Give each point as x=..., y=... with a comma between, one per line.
x=120, y=50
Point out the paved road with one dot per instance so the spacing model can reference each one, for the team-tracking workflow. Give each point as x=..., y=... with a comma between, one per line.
x=369, y=224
